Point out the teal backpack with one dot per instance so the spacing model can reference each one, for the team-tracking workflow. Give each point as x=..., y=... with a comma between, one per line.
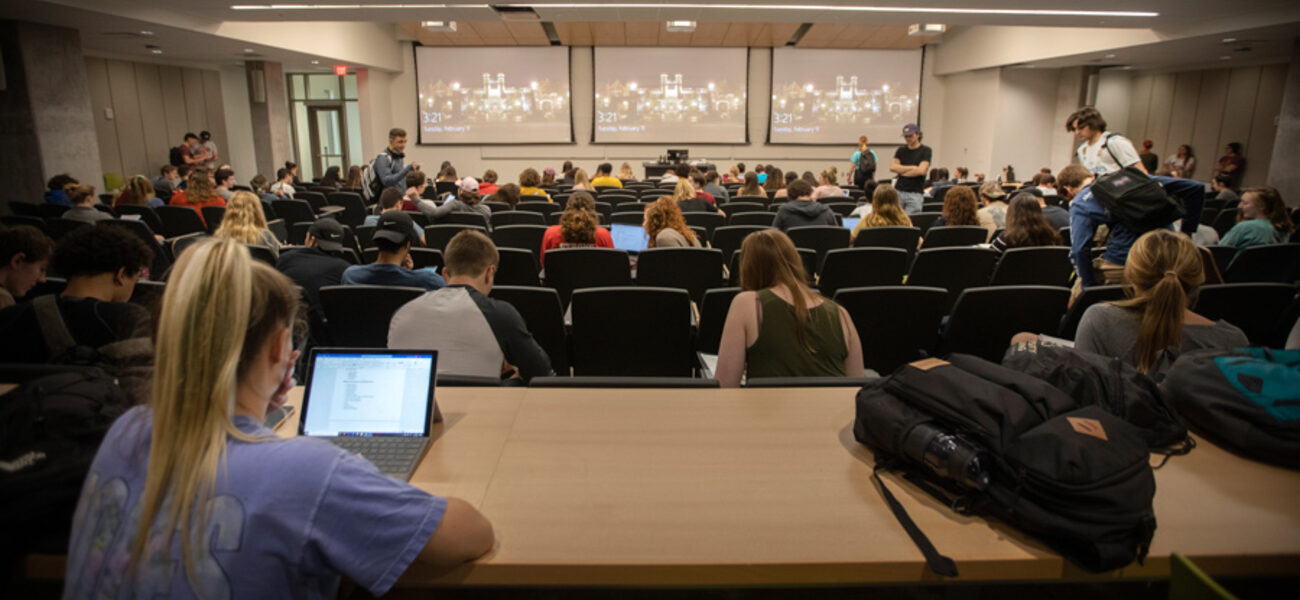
x=1247, y=400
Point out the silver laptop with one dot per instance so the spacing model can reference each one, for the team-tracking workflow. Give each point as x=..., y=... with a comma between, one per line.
x=376, y=403
x=632, y=238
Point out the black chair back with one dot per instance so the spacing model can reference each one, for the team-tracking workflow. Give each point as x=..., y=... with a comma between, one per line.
x=162, y=258
x=261, y=253
x=953, y=269
x=212, y=216
x=15, y=220
x=422, y=258
x=760, y=219
x=179, y=244
x=443, y=188
x=463, y=218
x=1258, y=309
x=315, y=199
x=568, y=269
x=950, y=236
x=732, y=208
x=1223, y=256
x=714, y=306
x=707, y=220
x=147, y=215
x=904, y=238
x=692, y=269
x=59, y=227
x=358, y=315
x=896, y=324
x=729, y=238
x=985, y=318
x=861, y=267
x=517, y=267
x=1091, y=295
x=298, y=232
x=52, y=211
x=627, y=218
x=180, y=220
x=294, y=211
x=639, y=331
x=354, y=208
x=524, y=237
x=24, y=209
x=540, y=309
x=820, y=239
x=517, y=217
x=924, y=220
x=1042, y=265
x=1277, y=263
x=437, y=236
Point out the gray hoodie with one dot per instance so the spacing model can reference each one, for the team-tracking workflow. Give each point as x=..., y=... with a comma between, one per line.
x=798, y=213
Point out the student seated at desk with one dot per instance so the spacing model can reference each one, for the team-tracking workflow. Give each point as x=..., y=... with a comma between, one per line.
x=394, y=266
x=578, y=228
x=191, y=496
x=778, y=326
x=24, y=253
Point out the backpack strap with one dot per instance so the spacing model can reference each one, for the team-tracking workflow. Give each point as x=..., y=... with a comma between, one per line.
x=1105, y=143
x=938, y=563
x=54, y=331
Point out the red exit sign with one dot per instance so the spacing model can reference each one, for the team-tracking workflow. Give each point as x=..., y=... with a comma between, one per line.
x=340, y=70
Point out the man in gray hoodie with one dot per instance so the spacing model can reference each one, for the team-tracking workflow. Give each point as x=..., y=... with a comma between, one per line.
x=388, y=166
x=801, y=210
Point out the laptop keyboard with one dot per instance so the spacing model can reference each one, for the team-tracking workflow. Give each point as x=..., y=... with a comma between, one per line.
x=394, y=456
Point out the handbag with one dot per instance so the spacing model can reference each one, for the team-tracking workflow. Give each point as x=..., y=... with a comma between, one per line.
x=1134, y=199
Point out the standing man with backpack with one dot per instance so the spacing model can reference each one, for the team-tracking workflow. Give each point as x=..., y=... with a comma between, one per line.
x=864, y=164
x=386, y=171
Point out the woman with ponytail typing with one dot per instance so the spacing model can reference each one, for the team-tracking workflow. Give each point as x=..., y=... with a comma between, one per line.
x=191, y=497
x=1162, y=275
x=778, y=326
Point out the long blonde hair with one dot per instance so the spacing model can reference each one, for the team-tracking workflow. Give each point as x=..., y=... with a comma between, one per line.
x=199, y=187
x=684, y=190
x=625, y=171
x=580, y=179
x=218, y=310
x=244, y=220
x=885, y=211
x=1161, y=276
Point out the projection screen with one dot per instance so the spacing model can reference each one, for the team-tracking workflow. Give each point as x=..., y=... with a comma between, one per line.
x=670, y=95
x=493, y=95
x=834, y=96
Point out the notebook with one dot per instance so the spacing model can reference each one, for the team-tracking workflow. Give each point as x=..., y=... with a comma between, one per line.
x=376, y=403
x=632, y=238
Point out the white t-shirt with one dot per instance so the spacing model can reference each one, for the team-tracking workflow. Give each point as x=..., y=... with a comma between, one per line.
x=282, y=189
x=1098, y=159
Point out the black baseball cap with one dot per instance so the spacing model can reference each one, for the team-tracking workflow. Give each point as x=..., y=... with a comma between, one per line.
x=328, y=234
x=397, y=227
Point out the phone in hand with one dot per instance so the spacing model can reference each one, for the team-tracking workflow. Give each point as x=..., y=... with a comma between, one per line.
x=277, y=416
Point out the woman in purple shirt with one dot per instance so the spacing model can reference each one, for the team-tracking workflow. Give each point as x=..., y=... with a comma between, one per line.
x=191, y=496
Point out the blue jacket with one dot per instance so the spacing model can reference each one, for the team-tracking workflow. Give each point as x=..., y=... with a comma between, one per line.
x=57, y=197
x=1086, y=213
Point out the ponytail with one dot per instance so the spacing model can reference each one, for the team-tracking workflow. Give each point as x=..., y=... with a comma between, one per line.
x=1163, y=272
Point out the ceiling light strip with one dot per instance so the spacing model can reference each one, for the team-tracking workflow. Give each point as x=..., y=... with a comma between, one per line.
x=772, y=7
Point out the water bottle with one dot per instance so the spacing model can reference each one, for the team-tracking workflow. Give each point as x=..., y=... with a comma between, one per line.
x=946, y=455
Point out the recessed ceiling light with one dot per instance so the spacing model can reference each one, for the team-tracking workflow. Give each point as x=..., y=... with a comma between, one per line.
x=155, y=49
x=1109, y=56
x=315, y=62
x=446, y=26
x=681, y=26
x=146, y=33
x=781, y=7
x=1225, y=57
x=249, y=51
x=1229, y=40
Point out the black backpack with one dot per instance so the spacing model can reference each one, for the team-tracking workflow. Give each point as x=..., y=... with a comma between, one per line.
x=987, y=440
x=129, y=360
x=1134, y=199
x=1247, y=399
x=1109, y=383
x=50, y=429
x=176, y=157
x=867, y=163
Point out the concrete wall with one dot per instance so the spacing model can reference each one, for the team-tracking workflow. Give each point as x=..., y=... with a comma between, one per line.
x=142, y=110
x=1205, y=109
x=45, y=115
x=1282, y=173
x=238, y=151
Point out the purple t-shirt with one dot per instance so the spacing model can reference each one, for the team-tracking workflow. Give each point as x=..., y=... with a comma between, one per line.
x=288, y=518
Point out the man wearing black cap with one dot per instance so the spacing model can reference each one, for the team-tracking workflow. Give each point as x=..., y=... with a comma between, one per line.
x=911, y=163
x=309, y=266
x=393, y=238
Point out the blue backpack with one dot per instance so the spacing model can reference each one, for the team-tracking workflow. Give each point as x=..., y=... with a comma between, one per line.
x=1247, y=399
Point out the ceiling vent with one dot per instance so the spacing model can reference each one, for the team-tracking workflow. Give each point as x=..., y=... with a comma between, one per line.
x=516, y=13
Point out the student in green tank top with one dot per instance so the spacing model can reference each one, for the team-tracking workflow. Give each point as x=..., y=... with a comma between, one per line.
x=778, y=326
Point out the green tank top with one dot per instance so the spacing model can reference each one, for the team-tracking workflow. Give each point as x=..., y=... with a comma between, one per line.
x=777, y=352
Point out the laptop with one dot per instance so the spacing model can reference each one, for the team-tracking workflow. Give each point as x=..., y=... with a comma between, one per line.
x=376, y=403
x=851, y=222
x=632, y=238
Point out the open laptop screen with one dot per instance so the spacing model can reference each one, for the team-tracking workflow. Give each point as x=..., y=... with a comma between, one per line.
x=851, y=222
x=356, y=392
x=629, y=237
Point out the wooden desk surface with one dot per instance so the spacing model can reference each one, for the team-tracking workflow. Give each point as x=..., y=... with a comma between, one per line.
x=768, y=486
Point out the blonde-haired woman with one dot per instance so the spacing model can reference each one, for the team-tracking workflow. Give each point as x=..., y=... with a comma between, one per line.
x=581, y=182
x=1161, y=276
x=190, y=496
x=625, y=172
x=138, y=192
x=885, y=211
x=828, y=185
x=244, y=222
x=778, y=326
